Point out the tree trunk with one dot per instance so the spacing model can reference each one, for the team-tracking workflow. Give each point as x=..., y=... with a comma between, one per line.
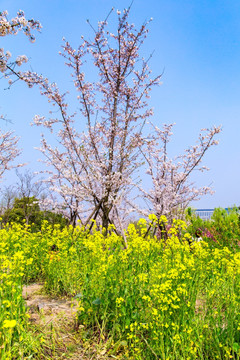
x=105, y=217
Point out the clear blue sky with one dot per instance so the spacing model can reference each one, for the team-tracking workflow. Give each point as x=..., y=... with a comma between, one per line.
x=197, y=43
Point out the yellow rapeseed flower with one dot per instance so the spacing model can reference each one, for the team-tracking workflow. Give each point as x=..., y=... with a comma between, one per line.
x=9, y=323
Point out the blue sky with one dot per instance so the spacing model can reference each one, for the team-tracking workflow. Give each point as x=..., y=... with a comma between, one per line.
x=196, y=43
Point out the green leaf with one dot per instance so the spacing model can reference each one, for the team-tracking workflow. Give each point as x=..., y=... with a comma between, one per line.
x=128, y=321
x=117, y=327
x=123, y=343
x=123, y=309
x=80, y=295
x=97, y=301
x=135, y=315
x=236, y=347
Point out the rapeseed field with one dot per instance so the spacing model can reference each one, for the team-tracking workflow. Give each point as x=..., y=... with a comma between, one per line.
x=146, y=298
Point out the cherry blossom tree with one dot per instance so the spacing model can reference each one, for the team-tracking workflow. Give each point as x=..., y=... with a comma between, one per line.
x=8, y=141
x=93, y=170
x=172, y=189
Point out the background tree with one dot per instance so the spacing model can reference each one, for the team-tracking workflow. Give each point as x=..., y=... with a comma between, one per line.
x=26, y=205
x=23, y=200
x=28, y=185
x=8, y=194
x=27, y=209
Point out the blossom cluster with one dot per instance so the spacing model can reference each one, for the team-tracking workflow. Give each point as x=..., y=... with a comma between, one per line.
x=12, y=27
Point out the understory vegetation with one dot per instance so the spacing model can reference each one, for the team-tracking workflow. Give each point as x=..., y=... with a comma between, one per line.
x=148, y=297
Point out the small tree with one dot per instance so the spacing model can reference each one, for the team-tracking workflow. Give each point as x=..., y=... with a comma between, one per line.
x=172, y=189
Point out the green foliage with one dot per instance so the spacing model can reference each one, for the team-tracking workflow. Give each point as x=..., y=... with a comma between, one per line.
x=223, y=229
x=227, y=226
x=27, y=210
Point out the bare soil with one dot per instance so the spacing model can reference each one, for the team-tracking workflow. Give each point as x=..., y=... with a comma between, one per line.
x=58, y=316
x=44, y=309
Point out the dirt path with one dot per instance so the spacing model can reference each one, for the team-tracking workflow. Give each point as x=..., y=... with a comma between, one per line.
x=44, y=309
x=57, y=316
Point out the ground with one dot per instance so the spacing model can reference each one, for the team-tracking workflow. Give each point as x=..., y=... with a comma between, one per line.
x=54, y=317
